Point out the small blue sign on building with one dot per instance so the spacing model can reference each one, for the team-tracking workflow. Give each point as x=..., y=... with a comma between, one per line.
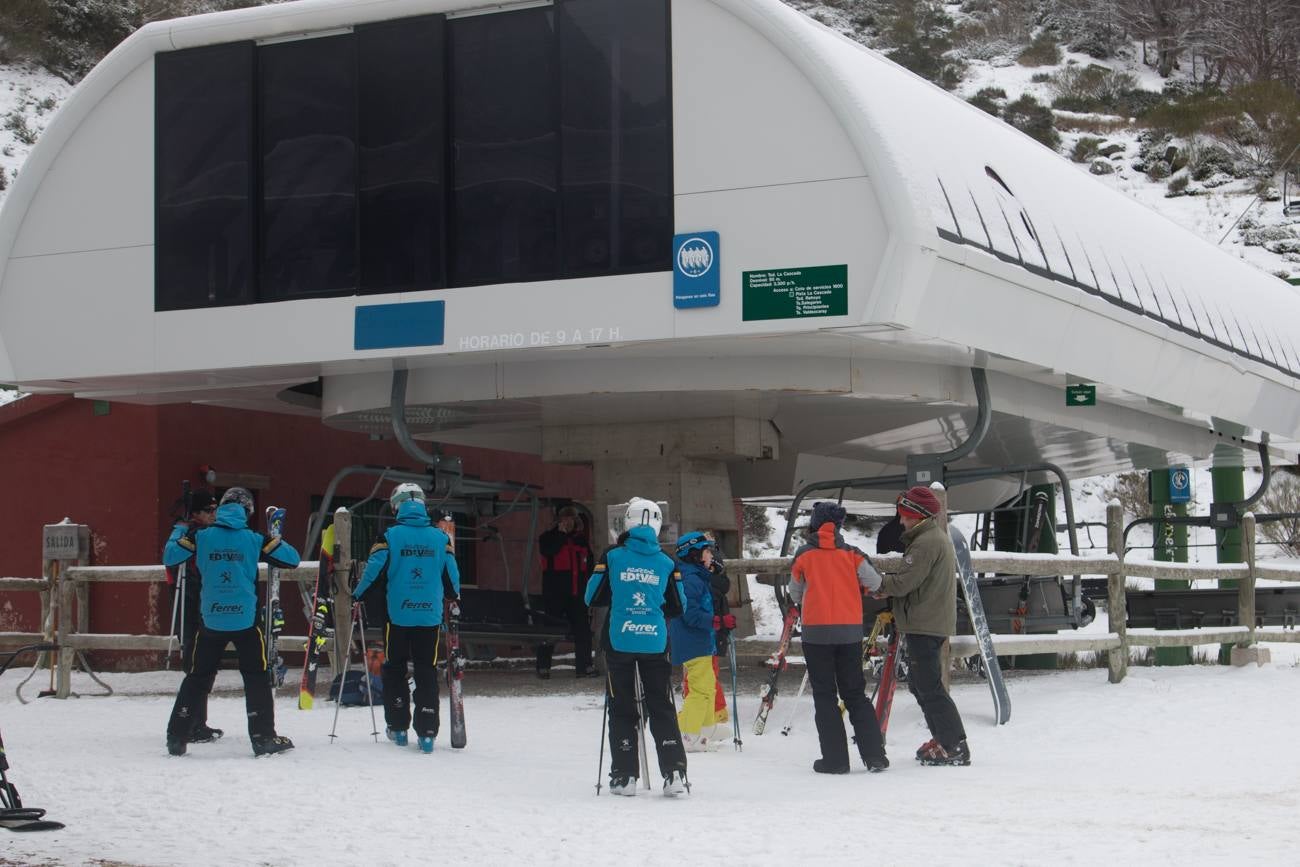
x=697, y=263
x=390, y=326
x=1180, y=485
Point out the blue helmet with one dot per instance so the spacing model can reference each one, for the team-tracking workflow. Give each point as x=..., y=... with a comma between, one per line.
x=692, y=541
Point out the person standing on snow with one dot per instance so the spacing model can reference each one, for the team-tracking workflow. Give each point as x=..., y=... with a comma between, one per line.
x=224, y=558
x=693, y=643
x=419, y=563
x=566, y=563
x=827, y=580
x=642, y=588
x=926, y=615
x=202, y=512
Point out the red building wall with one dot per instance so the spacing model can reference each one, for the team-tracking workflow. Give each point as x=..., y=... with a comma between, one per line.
x=121, y=472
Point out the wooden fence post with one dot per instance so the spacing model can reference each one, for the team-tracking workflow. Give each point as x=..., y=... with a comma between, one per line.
x=1246, y=588
x=1116, y=601
x=342, y=592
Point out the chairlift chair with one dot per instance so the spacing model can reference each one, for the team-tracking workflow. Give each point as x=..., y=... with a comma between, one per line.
x=1291, y=193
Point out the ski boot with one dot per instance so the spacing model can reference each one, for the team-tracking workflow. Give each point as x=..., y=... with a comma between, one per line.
x=268, y=745
x=876, y=764
x=176, y=746
x=397, y=737
x=426, y=743
x=823, y=766
x=205, y=734
x=954, y=755
x=675, y=784
x=923, y=750
x=625, y=786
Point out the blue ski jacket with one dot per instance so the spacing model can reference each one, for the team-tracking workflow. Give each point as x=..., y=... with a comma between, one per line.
x=225, y=556
x=418, y=561
x=643, y=590
x=691, y=635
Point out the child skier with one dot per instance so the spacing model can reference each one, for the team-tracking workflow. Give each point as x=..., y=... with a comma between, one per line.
x=692, y=642
x=420, y=564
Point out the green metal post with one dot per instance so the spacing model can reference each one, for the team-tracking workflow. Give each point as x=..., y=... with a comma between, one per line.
x=1229, y=486
x=1170, y=546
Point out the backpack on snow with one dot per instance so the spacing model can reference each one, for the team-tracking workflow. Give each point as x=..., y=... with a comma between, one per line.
x=354, y=689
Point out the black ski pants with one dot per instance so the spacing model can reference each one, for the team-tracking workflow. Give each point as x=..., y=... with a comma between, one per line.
x=620, y=690
x=835, y=674
x=187, y=630
x=558, y=601
x=209, y=645
x=417, y=645
x=925, y=680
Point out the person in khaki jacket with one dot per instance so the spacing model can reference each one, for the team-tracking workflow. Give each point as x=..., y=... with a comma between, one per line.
x=925, y=611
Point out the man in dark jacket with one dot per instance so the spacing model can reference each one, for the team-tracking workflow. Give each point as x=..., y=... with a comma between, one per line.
x=418, y=564
x=566, y=563
x=201, y=512
x=925, y=611
x=827, y=580
x=224, y=557
x=642, y=587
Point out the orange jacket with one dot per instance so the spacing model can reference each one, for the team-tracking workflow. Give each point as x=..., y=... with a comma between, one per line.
x=827, y=580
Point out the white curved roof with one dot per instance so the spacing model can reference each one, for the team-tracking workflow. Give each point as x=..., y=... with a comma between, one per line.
x=968, y=244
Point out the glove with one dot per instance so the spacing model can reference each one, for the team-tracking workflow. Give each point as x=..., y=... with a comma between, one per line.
x=277, y=621
x=717, y=622
x=728, y=621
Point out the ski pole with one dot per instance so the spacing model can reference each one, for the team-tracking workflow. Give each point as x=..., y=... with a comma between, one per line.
x=604, y=721
x=640, y=727
x=735, y=707
x=365, y=669
x=789, y=720
x=343, y=678
x=176, y=606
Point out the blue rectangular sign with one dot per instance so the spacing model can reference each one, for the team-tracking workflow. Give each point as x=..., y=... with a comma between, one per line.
x=1180, y=485
x=697, y=263
x=388, y=326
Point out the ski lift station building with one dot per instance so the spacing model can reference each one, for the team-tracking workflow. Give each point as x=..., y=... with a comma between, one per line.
x=709, y=247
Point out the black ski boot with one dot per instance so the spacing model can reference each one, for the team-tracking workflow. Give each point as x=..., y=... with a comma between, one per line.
x=176, y=746
x=205, y=734
x=959, y=754
x=267, y=745
x=822, y=766
x=876, y=764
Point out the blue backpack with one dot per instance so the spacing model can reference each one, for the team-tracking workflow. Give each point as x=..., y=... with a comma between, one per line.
x=354, y=689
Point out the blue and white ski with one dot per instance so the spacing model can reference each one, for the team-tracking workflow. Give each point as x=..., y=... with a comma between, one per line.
x=274, y=615
x=970, y=587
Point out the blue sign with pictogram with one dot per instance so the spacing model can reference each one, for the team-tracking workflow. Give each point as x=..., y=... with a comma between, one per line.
x=696, y=269
x=1180, y=485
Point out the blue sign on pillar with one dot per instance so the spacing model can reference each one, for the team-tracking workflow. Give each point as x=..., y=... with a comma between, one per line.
x=1180, y=485
x=697, y=263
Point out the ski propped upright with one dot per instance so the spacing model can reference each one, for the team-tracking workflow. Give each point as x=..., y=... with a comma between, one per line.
x=319, y=628
x=979, y=622
x=274, y=616
x=777, y=664
x=455, y=676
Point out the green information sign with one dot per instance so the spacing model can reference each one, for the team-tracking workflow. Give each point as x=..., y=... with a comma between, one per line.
x=794, y=293
x=1081, y=395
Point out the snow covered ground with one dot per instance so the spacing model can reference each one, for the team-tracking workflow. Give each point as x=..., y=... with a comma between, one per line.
x=1151, y=771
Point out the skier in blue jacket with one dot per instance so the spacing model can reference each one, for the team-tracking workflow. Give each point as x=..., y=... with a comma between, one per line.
x=419, y=563
x=224, y=557
x=692, y=643
x=642, y=588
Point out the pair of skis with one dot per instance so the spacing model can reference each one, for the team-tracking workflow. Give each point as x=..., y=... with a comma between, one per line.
x=276, y=668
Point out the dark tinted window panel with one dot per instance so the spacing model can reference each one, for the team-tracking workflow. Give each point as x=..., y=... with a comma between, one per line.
x=309, y=167
x=203, y=160
x=505, y=152
x=403, y=121
x=616, y=136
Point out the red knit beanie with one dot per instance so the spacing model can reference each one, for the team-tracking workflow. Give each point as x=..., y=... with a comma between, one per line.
x=919, y=501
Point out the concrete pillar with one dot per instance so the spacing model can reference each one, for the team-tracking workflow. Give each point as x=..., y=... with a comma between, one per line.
x=682, y=463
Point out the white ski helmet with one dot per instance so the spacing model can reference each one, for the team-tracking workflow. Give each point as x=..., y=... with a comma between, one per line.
x=403, y=492
x=240, y=496
x=642, y=511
